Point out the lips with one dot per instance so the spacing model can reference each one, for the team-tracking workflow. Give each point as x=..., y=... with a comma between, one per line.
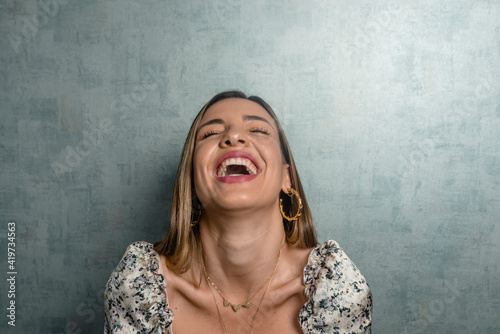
x=236, y=166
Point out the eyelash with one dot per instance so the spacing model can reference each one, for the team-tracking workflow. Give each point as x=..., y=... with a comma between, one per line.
x=261, y=130
x=209, y=133
x=214, y=132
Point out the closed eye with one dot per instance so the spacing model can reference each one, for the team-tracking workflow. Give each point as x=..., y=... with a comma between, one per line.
x=260, y=130
x=209, y=133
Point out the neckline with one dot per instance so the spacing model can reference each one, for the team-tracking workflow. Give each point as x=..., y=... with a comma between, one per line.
x=163, y=282
x=160, y=271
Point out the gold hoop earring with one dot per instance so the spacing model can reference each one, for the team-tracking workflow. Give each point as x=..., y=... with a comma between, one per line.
x=197, y=208
x=291, y=193
x=193, y=224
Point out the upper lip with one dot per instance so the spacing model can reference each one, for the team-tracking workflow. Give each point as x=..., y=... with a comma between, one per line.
x=236, y=154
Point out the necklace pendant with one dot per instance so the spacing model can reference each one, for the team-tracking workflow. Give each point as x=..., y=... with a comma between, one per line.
x=237, y=307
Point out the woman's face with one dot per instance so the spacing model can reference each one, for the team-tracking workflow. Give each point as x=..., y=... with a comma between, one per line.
x=237, y=161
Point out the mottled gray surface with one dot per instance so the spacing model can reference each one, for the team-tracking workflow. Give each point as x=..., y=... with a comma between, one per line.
x=392, y=111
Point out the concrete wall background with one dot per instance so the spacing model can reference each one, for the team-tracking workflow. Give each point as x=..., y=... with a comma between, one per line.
x=392, y=110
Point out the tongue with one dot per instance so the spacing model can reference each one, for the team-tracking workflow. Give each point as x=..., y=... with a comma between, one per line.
x=236, y=169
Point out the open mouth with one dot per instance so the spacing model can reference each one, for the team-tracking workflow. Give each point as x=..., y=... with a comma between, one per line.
x=236, y=167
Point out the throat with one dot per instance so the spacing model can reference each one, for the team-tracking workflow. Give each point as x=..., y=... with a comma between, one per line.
x=236, y=170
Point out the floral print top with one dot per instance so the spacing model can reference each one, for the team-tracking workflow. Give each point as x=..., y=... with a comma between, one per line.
x=339, y=299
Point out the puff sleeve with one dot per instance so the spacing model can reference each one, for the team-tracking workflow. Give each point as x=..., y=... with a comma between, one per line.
x=339, y=299
x=135, y=299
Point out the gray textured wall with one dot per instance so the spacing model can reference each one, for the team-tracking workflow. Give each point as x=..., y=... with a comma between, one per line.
x=392, y=110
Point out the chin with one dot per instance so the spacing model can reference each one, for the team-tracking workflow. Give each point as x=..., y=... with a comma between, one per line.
x=237, y=202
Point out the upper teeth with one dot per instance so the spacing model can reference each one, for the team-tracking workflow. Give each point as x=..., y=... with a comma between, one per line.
x=236, y=161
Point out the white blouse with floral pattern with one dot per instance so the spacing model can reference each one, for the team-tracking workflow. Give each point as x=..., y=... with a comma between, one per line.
x=339, y=299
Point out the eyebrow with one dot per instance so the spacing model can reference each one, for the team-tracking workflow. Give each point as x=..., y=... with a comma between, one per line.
x=256, y=118
x=212, y=121
x=245, y=118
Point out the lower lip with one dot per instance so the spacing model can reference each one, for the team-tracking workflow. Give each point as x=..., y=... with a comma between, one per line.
x=236, y=179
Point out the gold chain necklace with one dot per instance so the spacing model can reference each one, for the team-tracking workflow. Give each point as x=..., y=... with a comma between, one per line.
x=226, y=303
x=248, y=303
x=266, y=284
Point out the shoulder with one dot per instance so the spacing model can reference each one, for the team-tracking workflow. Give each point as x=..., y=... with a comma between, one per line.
x=138, y=254
x=135, y=297
x=329, y=256
x=139, y=263
x=339, y=299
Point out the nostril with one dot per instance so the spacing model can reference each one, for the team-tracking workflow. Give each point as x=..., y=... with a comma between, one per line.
x=235, y=139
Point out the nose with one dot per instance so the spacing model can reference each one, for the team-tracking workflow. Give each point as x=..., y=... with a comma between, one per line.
x=234, y=136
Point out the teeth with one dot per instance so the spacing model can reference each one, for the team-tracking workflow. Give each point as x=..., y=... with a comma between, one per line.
x=222, y=171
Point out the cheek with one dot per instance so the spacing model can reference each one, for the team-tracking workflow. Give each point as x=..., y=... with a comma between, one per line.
x=277, y=155
x=196, y=162
x=274, y=159
x=201, y=163
x=197, y=166
x=199, y=182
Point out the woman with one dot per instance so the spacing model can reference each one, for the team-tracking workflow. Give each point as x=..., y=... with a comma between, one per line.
x=241, y=254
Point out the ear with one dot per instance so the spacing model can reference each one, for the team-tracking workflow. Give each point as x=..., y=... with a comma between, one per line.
x=286, y=182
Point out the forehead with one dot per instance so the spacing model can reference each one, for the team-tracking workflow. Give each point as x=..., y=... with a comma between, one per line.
x=236, y=108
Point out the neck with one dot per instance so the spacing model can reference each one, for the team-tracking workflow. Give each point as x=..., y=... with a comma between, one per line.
x=241, y=251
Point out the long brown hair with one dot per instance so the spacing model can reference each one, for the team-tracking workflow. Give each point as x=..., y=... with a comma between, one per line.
x=182, y=244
